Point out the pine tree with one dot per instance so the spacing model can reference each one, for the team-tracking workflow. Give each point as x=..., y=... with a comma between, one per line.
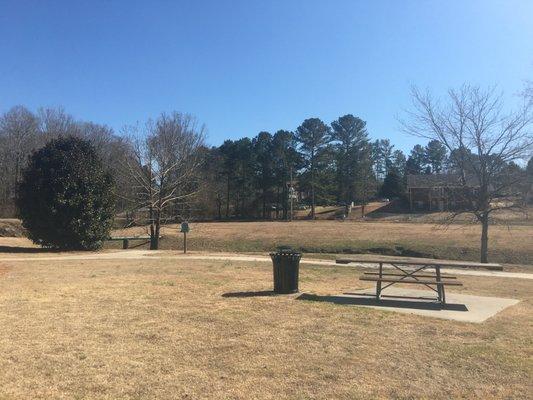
x=313, y=136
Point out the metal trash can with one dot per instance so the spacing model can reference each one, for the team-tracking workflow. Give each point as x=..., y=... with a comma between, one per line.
x=286, y=265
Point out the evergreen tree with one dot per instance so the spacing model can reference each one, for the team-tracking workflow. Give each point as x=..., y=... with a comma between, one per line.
x=436, y=156
x=416, y=163
x=365, y=179
x=351, y=155
x=383, y=157
x=244, y=180
x=392, y=186
x=313, y=136
x=65, y=197
x=287, y=162
x=398, y=162
x=264, y=171
x=229, y=162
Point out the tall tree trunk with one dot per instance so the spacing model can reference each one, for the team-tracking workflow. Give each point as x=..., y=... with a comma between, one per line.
x=277, y=202
x=155, y=223
x=312, y=187
x=285, y=202
x=312, y=184
x=152, y=229
x=312, y=200
x=264, y=204
x=152, y=236
x=157, y=232
x=227, y=198
x=484, y=239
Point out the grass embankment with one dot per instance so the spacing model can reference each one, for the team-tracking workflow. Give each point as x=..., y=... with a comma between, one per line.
x=507, y=244
x=125, y=329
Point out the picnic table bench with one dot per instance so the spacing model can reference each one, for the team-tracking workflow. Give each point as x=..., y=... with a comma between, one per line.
x=126, y=239
x=413, y=271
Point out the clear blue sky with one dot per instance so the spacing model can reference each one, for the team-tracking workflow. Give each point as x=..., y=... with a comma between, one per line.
x=246, y=66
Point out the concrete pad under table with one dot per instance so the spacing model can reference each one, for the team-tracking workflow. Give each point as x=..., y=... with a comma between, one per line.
x=459, y=307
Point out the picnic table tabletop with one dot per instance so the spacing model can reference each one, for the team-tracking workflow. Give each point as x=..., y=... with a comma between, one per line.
x=373, y=259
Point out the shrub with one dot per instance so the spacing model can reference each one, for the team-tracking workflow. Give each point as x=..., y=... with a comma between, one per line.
x=65, y=197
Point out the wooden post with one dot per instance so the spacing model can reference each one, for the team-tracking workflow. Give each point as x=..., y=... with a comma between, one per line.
x=184, y=242
x=125, y=244
x=440, y=286
x=378, y=283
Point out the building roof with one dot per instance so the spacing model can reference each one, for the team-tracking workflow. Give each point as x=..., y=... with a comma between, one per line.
x=439, y=180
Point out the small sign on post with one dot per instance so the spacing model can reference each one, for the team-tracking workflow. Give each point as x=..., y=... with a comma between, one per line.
x=185, y=229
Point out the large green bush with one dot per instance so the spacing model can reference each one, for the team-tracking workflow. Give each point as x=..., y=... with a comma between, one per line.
x=65, y=198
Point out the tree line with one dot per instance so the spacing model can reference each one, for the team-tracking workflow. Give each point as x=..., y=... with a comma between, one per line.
x=165, y=168
x=329, y=164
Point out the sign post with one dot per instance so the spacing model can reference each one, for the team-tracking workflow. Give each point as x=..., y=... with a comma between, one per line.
x=292, y=196
x=185, y=229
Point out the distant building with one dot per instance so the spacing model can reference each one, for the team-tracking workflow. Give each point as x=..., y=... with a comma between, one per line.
x=440, y=192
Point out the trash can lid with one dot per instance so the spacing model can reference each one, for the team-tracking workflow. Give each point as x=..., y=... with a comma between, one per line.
x=285, y=250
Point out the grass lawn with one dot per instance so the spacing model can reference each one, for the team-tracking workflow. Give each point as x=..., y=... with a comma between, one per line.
x=113, y=329
x=506, y=244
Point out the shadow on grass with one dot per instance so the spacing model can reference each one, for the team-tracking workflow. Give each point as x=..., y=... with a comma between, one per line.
x=22, y=249
x=262, y=293
x=365, y=300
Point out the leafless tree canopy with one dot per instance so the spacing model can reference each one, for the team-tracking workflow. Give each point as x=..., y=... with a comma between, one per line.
x=473, y=119
x=22, y=131
x=484, y=140
x=163, y=163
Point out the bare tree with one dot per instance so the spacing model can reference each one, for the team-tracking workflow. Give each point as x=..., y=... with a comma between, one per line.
x=484, y=141
x=18, y=137
x=528, y=91
x=163, y=164
x=55, y=122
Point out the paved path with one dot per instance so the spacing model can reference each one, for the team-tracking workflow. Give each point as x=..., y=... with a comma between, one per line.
x=165, y=254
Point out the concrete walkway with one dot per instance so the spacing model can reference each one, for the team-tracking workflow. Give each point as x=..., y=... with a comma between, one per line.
x=167, y=254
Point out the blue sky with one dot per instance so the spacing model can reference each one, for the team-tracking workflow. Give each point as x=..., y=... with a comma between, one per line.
x=245, y=66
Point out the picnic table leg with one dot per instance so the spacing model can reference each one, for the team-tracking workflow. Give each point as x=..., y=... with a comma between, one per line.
x=378, y=283
x=440, y=286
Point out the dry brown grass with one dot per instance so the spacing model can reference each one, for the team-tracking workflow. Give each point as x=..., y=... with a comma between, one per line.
x=3, y=269
x=163, y=329
x=507, y=245
x=500, y=217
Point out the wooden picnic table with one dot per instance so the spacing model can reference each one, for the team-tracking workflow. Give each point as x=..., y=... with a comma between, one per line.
x=408, y=270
